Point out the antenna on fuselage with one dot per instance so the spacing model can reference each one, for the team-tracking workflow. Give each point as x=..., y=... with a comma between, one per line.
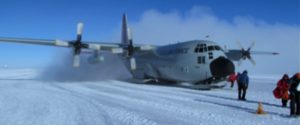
x=207, y=36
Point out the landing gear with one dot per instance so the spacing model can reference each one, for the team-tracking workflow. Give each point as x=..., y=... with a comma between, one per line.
x=212, y=82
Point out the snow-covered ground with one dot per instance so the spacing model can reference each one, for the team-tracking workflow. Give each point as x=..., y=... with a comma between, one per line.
x=25, y=101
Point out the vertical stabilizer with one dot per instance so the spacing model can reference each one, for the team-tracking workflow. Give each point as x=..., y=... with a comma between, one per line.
x=124, y=34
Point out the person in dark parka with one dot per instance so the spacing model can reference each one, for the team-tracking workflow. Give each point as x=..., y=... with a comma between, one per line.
x=295, y=95
x=243, y=81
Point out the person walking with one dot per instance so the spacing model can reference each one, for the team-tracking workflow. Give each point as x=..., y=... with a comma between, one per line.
x=283, y=90
x=243, y=81
x=295, y=95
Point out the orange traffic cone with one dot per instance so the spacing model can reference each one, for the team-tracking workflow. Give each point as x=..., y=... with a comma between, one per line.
x=260, y=110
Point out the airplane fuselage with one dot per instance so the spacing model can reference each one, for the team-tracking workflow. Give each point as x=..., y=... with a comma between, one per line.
x=191, y=61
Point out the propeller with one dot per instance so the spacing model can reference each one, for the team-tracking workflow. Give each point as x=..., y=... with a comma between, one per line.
x=246, y=54
x=78, y=45
x=130, y=51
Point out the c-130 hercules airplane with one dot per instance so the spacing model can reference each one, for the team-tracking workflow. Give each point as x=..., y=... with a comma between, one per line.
x=199, y=62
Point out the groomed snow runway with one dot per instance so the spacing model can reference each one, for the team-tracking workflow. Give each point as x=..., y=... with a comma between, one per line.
x=24, y=101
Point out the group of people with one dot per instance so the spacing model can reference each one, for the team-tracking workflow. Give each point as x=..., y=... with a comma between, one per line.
x=289, y=89
x=286, y=89
x=242, y=81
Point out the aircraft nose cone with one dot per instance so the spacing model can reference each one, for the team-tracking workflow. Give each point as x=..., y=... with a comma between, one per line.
x=221, y=67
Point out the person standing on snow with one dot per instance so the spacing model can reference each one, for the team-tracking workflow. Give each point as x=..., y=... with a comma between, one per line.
x=282, y=90
x=295, y=95
x=243, y=81
x=231, y=79
x=237, y=76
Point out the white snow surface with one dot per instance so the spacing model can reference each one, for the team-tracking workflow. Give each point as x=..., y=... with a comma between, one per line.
x=26, y=101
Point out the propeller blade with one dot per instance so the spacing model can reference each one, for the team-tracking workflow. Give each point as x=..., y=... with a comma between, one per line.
x=251, y=46
x=132, y=63
x=79, y=28
x=240, y=62
x=244, y=57
x=79, y=31
x=252, y=61
x=76, y=61
x=240, y=45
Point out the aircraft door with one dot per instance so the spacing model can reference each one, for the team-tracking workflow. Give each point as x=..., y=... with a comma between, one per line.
x=201, y=60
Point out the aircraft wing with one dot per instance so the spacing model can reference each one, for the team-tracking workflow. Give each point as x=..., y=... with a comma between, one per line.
x=100, y=46
x=32, y=41
x=126, y=46
x=240, y=55
x=113, y=47
x=263, y=53
x=236, y=55
x=78, y=45
x=243, y=54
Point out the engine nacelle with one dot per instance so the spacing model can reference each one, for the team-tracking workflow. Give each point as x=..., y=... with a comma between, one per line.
x=95, y=59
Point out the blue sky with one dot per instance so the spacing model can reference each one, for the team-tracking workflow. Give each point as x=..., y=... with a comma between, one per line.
x=57, y=19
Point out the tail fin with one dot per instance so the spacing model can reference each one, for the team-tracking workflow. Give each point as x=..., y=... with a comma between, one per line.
x=126, y=36
x=127, y=44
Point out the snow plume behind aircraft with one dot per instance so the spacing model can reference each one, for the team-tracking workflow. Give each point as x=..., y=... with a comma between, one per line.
x=61, y=68
x=156, y=27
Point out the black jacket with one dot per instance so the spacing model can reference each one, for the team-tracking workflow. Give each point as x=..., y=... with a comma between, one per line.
x=294, y=82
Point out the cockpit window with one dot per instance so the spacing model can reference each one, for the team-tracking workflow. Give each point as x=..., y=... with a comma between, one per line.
x=210, y=48
x=217, y=48
x=196, y=50
x=200, y=48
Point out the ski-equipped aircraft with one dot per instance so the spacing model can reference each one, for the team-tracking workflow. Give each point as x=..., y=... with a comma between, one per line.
x=199, y=62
